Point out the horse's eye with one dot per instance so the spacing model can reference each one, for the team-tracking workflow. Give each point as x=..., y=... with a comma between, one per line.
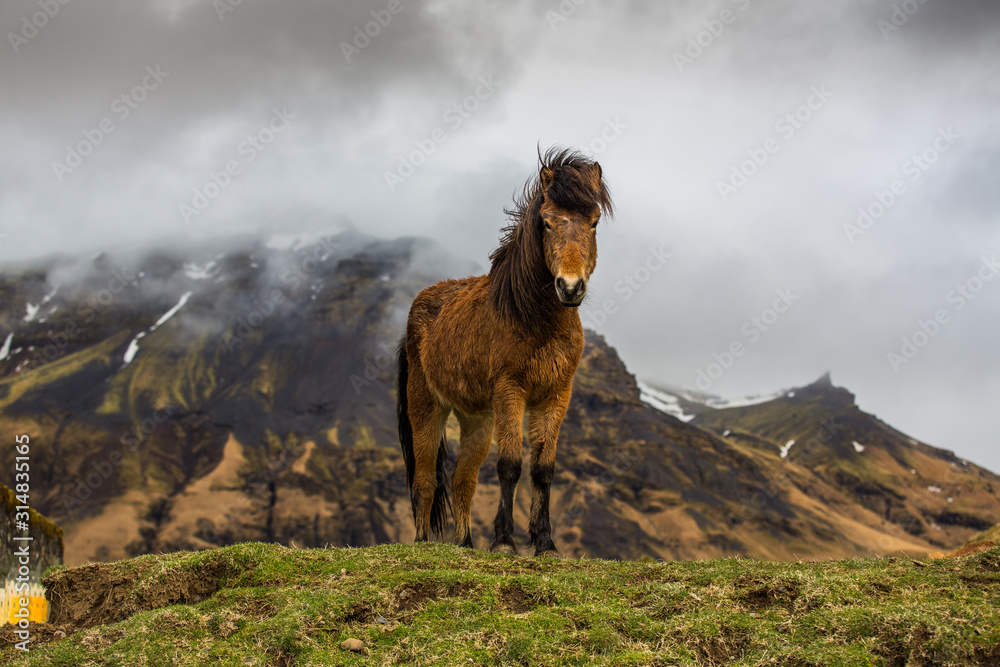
x=547, y=225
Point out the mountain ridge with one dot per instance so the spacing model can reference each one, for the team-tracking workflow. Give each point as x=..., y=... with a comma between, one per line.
x=185, y=398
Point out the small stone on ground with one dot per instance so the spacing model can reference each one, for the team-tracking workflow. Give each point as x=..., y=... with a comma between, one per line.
x=355, y=645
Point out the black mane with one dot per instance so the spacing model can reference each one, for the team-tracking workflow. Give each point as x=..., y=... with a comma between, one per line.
x=519, y=275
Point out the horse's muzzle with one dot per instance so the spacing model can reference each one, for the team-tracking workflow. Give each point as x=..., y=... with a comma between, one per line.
x=572, y=291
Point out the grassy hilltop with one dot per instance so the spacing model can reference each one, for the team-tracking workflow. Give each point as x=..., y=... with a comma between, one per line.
x=429, y=604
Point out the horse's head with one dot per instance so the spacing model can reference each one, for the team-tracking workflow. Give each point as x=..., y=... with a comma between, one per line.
x=573, y=198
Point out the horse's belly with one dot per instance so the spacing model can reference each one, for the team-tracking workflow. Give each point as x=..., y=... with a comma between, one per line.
x=457, y=375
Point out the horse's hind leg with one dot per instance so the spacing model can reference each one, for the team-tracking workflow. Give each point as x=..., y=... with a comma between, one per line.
x=428, y=418
x=477, y=433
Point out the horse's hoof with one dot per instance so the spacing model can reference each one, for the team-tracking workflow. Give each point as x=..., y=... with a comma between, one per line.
x=548, y=553
x=503, y=549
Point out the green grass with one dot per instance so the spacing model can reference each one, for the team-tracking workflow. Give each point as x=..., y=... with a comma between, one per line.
x=434, y=604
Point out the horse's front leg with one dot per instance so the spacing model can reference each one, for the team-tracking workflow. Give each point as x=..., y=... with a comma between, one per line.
x=543, y=428
x=508, y=410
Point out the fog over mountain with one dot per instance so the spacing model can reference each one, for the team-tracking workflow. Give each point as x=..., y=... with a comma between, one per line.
x=800, y=187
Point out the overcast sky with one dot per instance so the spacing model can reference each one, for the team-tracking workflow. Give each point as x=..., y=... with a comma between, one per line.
x=673, y=97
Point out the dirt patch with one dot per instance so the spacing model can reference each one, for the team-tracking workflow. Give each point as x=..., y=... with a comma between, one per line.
x=103, y=593
x=40, y=633
x=879, y=589
x=259, y=607
x=515, y=599
x=990, y=656
x=410, y=597
x=281, y=657
x=899, y=648
x=970, y=549
x=361, y=612
x=758, y=593
x=519, y=601
x=722, y=649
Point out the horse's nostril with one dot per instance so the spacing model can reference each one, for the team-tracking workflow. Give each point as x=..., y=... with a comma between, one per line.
x=560, y=283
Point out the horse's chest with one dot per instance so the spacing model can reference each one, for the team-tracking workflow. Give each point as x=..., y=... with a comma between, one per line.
x=550, y=368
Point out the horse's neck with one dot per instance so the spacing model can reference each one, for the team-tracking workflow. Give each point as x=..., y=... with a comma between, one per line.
x=559, y=321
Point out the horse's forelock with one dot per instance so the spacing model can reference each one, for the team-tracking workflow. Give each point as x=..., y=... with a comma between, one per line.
x=518, y=264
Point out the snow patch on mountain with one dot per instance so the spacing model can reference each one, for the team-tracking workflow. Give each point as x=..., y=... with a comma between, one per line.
x=195, y=272
x=132, y=349
x=720, y=403
x=133, y=346
x=662, y=401
x=784, y=450
x=5, y=350
x=170, y=313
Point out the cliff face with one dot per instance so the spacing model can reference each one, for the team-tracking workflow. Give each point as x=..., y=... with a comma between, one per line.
x=193, y=397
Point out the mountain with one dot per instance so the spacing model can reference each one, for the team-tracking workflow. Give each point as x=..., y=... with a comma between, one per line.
x=184, y=397
x=850, y=460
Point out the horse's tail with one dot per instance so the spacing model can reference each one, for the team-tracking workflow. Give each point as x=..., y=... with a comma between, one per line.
x=441, y=507
x=403, y=415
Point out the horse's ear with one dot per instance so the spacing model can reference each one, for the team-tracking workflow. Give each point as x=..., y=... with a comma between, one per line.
x=546, y=176
x=595, y=175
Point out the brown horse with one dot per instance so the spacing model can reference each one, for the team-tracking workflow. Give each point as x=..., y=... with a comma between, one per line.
x=491, y=348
